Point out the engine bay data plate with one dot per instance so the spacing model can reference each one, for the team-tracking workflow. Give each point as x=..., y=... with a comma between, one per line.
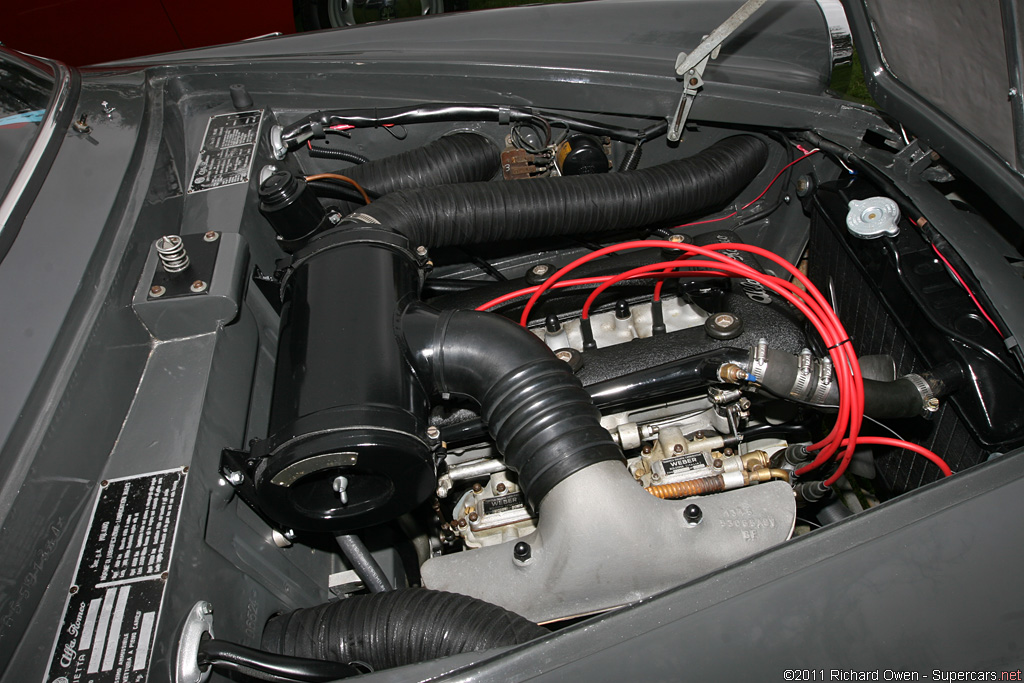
x=113, y=607
x=228, y=151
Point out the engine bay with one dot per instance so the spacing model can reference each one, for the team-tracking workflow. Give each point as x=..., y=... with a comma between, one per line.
x=447, y=378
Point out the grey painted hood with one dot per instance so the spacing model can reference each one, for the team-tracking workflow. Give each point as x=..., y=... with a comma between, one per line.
x=950, y=71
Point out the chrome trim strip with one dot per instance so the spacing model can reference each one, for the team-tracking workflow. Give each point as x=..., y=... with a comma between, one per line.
x=46, y=133
x=840, y=36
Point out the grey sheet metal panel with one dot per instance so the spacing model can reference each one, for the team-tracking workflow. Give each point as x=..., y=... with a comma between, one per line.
x=785, y=46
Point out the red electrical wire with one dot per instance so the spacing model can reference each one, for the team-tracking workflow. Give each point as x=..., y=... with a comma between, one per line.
x=657, y=287
x=967, y=289
x=897, y=443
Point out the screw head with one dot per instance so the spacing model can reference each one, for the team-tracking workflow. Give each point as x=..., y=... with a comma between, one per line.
x=211, y=236
x=678, y=448
x=198, y=286
x=540, y=269
x=694, y=81
x=157, y=291
x=433, y=433
x=646, y=450
x=473, y=516
x=500, y=488
x=421, y=251
x=931, y=405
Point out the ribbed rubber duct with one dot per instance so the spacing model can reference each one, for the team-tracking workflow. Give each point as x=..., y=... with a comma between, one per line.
x=471, y=213
x=396, y=628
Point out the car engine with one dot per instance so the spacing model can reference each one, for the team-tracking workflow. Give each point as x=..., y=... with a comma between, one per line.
x=430, y=379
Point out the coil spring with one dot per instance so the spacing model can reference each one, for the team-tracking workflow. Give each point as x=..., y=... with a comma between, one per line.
x=693, y=487
x=172, y=254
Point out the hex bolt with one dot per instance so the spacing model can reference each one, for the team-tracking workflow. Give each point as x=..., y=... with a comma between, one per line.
x=433, y=433
x=340, y=486
x=421, y=251
x=563, y=355
x=931, y=405
x=206, y=608
x=211, y=236
x=522, y=552
x=539, y=273
x=693, y=514
x=198, y=286
x=157, y=291
x=334, y=218
x=234, y=478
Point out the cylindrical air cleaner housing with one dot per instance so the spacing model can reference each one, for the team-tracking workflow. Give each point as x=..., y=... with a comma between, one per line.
x=347, y=445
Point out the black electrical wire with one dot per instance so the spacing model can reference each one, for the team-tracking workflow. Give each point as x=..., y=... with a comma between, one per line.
x=222, y=654
x=484, y=266
x=321, y=152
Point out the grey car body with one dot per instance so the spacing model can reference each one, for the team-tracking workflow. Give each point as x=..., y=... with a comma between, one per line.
x=95, y=388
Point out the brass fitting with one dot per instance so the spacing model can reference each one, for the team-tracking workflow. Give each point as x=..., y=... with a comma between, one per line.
x=732, y=373
x=685, y=489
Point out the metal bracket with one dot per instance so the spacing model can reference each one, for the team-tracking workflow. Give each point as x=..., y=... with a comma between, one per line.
x=691, y=66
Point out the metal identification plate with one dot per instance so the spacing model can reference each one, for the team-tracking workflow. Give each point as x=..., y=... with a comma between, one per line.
x=114, y=605
x=228, y=151
x=511, y=501
x=684, y=463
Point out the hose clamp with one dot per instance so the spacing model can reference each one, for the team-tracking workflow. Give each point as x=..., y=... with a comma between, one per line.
x=929, y=401
x=824, y=384
x=802, y=382
x=759, y=359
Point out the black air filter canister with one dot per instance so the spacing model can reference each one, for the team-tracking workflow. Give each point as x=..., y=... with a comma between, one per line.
x=348, y=445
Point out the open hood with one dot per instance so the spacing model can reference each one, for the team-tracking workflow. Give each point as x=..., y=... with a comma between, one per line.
x=950, y=70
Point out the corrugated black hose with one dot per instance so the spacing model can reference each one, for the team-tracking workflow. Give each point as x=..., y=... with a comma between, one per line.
x=473, y=213
x=396, y=628
x=456, y=158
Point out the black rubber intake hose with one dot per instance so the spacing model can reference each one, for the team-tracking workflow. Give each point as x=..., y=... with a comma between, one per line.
x=473, y=213
x=396, y=628
x=543, y=421
x=452, y=159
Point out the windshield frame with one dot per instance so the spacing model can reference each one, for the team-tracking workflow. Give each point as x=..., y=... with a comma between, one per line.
x=22, y=187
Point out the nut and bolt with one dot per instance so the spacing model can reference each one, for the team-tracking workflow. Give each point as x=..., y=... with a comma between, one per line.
x=234, y=478
x=289, y=534
x=211, y=236
x=206, y=608
x=678, y=448
x=655, y=476
x=931, y=405
x=1012, y=92
x=473, y=516
x=522, y=551
x=564, y=356
x=433, y=433
x=500, y=488
x=462, y=523
x=646, y=450
x=728, y=452
x=198, y=286
x=540, y=270
x=477, y=488
x=679, y=239
x=157, y=291
x=334, y=218
x=717, y=463
x=421, y=251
